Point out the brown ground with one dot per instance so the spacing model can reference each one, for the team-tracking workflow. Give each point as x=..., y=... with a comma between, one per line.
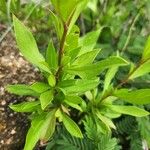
x=13, y=69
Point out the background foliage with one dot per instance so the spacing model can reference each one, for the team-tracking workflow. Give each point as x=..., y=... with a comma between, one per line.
x=126, y=26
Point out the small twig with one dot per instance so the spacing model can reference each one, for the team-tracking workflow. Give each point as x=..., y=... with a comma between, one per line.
x=125, y=80
x=5, y=33
x=130, y=33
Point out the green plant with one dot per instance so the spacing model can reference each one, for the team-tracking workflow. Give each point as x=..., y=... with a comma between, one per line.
x=72, y=75
x=93, y=139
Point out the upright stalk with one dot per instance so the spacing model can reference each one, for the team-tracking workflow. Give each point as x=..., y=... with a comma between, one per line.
x=61, y=51
x=62, y=44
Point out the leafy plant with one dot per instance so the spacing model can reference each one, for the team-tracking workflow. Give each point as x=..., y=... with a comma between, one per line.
x=71, y=78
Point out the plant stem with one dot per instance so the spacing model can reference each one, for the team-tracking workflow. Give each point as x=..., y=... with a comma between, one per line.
x=61, y=51
x=125, y=80
x=62, y=45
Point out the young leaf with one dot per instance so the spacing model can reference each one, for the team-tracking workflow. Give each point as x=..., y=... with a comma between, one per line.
x=109, y=76
x=66, y=83
x=46, y=98
x=42, y=127
x=90, y=71
x=73, y=101
x=58, y=115
x=21, y=89
x=26, y=43
x=66, y=9
x=110, y=114
x=81, y=86
x=129, y=110
x=73, y=54
x=48, y=126
x=52, y=80
x=141, y=70
x=65, y=60
x=71, y=126
x=140, y=97
x=57, y=24
x=51, y=56
x=40, y=87
x=34, y=133
x=89, y=41
x=146, y=53
x=80, y=6
x=25, y=106
x=73, y=105
x=72, y=39
x=86, y=58
x=44, y=67
x=105, y=120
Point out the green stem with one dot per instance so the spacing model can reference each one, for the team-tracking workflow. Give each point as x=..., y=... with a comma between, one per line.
x=125, y=80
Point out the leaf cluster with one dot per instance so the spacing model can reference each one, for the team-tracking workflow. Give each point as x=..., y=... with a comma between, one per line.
x=72, y=75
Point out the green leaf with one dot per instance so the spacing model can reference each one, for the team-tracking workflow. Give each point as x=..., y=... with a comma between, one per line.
x=73, y=54
x=89, y=41
x=93, y=6
x=141, y=70
x=48, y=126
x=146, y=53
x=141, y=96
x=26, y=43
x=109, y=124
x=129, y=110
x=74, y=101
x=44, y=67
x=110, y=114
x=73, y=105
x=72, y=39
x=21, y=89
x=3, y=6
x=71, y=126
x=42, y=127
x=34, y=133
x=66, y=83
x=51, y=56
x=90, y=71
x=81, y=86
x=66, y=9
x=40, y=87
x=52, y=80
x=65, y=60
x=25, y=106
x=80, y=6
x=109, y=76
x=46, y=98
x=57, y=24
x=86, y=58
